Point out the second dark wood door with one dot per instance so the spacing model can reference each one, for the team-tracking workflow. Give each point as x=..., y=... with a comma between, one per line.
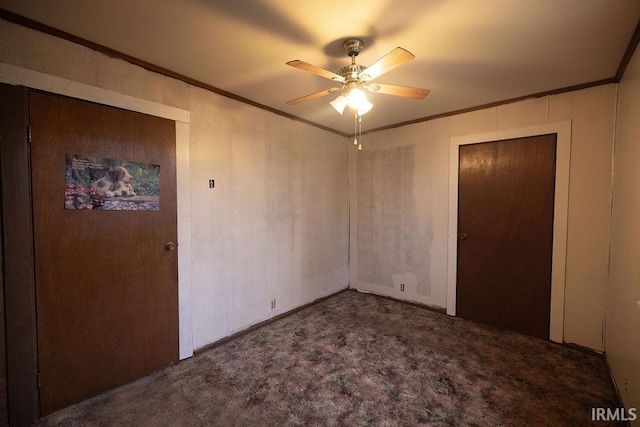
x=107, y=296
x=505, y=233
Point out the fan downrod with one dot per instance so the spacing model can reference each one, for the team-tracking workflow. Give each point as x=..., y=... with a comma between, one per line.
x=353, y=46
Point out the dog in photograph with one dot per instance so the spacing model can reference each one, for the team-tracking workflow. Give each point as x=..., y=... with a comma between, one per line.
x=116, y=182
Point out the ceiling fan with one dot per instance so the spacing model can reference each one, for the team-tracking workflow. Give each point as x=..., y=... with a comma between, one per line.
x=356, y=77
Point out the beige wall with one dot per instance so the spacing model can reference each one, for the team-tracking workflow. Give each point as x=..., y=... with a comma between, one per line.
x=425, y=191
x=399, y=212
x=276, y=224
x=275, y=227
x=623, y=295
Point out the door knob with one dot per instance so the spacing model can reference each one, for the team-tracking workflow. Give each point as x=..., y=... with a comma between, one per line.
x=170, y=246
x=463, y=236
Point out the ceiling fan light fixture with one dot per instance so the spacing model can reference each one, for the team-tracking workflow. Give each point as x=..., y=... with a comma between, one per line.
x=340, y=103
x=364, y=107
x=355, y=77
x=357, y=100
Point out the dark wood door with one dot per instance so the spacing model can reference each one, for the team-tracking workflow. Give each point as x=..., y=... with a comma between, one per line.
x=505, y=233
x=107, y=309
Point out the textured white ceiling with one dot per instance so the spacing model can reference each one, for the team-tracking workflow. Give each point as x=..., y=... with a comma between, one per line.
x=468, y=52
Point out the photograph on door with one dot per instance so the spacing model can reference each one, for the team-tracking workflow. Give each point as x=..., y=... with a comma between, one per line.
x=107, y=184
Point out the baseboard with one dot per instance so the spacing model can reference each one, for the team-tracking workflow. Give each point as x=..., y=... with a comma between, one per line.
x=614, y=385
x=415, y=304
x=257, y=326
x=583, y=349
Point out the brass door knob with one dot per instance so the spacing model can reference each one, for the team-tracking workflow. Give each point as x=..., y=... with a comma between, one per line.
x=463, y=236
x=170, y=246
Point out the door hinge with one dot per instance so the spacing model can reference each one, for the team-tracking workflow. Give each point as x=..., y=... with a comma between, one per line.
x=38, y=380
x=29, y=134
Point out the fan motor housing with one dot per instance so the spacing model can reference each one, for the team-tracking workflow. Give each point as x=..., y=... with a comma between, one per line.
x=351, y=72
x=353, y=46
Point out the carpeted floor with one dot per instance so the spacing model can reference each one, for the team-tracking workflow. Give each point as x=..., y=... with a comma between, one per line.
x=358, y=359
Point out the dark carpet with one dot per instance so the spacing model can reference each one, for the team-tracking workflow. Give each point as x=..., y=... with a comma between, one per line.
x=358, y=359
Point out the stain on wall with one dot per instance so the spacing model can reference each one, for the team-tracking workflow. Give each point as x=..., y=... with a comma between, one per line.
x=391, y=245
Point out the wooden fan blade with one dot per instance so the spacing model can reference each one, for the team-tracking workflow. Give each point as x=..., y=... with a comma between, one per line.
x=313, y=96
x=407, y=92
x=391, y=60
x=305, y=66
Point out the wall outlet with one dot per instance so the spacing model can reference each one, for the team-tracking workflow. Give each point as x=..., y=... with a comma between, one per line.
x=212, y=183
x=401, y=287
x=273, y=304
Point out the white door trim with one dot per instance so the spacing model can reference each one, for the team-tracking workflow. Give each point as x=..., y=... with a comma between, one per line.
x=561, y=205
x=14, y=75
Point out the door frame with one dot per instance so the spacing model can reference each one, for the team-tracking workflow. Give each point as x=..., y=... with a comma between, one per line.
x=30, y=79
x=561, y=207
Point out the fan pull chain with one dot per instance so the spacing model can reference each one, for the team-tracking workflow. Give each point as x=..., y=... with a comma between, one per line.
x=359, y=132
x=355, y=128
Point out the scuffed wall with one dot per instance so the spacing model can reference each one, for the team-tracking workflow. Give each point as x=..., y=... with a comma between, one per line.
x=623, y=295
x=591, y=112
x=387, y=203
x=274, y=227
x=399, y=213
